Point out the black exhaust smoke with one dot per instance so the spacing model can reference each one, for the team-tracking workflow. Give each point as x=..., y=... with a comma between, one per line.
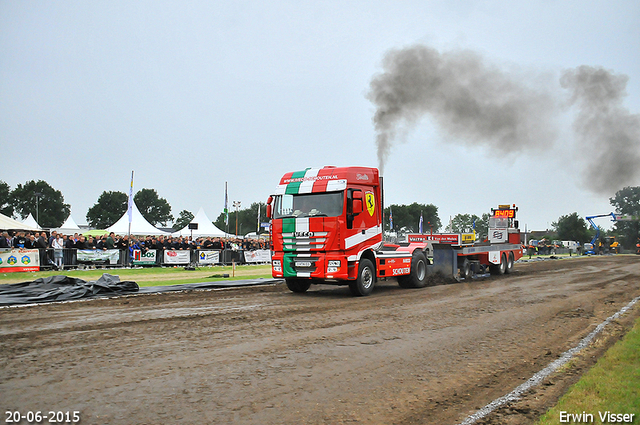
x=476, y=103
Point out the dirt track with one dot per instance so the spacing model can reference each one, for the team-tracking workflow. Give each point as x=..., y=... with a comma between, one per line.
x=264, y=355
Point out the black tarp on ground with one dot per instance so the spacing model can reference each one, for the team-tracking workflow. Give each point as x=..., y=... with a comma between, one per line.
x=64, y=288
x=207, y=285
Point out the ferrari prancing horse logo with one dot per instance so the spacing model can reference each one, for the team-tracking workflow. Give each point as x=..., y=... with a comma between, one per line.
x=371, y=202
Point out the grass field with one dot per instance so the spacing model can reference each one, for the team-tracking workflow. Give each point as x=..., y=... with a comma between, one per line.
x=153, y=276
x=612, y=385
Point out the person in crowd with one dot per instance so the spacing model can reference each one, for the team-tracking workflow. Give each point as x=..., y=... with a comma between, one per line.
x=82, y=243
x=101, y=243
x=123, y=243
x=30, y=242
x=110, y=242
x=19, y=240
x=41, y=242
x=5, y=241
x=70, y=243
x=159, y=245
x=134, y=245
x=208, y=243
x=51, y=238
x=58, y=252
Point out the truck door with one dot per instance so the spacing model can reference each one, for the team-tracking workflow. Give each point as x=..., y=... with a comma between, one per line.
x=362, y=209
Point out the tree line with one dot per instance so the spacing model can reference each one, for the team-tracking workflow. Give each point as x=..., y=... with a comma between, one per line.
x=48, y=207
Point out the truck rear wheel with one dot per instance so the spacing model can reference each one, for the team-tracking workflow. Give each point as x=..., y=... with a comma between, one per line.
x=364, y=283
x=510, y=262
x=499, y=269
x=465, y=269
x=418, y=276
x=298, y=285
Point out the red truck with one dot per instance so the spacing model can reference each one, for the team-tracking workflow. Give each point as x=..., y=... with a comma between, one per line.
x=326, y=227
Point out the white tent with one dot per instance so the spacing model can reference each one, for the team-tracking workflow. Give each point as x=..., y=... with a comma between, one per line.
x=31, y=222
x=139, y=225
x=69, y=227
x=7, y=223
x=205, y=227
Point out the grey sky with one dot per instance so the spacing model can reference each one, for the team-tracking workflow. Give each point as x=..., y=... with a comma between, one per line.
x=193, y=94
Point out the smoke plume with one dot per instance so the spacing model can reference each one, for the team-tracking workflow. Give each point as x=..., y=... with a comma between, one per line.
x=470, y=100
x=477, y=103
x=607, y=135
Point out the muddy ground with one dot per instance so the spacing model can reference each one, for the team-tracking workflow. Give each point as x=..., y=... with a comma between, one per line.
x=264, y=355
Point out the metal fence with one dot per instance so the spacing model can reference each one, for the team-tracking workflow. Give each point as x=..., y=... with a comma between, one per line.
x=73, y=258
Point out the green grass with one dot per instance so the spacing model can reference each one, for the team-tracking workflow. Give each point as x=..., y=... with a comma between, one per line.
x=153, y=276
x=613, y=384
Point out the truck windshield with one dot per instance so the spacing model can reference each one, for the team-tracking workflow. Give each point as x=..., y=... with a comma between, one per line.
x=498, y=222
x=328, y=204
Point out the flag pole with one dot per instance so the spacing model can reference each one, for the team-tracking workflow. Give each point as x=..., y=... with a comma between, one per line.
x=130, y=212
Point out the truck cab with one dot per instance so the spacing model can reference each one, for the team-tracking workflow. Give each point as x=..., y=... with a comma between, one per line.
x=323, y=221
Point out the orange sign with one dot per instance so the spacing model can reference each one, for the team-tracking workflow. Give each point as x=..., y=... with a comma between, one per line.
x=504, y=213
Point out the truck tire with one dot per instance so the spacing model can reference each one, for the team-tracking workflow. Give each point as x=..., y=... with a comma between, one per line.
x=510, y=262
x=364, y=283
x=499, y=269
x=465, y=269
x=298, y=285
x=418, y=276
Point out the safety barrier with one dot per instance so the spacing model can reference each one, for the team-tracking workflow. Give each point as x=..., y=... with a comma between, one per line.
x=71, y=258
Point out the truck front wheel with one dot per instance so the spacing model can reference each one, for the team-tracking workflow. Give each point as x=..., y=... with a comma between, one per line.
x=298, y=285
x=363, y=285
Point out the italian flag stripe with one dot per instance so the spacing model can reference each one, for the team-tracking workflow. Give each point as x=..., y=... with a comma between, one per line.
x=294, y=188
x=288, y=225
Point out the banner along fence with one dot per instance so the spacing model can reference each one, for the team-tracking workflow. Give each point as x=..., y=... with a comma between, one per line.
x=20, y=260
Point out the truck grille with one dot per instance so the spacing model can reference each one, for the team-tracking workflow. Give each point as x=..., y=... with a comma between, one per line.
x=305, y=241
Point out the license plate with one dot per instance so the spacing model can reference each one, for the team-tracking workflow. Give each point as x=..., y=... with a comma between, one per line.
x=303, y=264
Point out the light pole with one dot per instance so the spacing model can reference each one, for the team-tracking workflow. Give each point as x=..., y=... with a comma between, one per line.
x=38, y=195
x=236, y=205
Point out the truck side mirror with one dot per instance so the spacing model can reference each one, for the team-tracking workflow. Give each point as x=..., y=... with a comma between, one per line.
x=357, y=206
x=269, y=201
x=357, y=202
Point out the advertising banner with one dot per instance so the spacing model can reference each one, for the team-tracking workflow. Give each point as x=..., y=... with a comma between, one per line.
x=257, y=256
x=208, y=257
x=451, y=238
x=93, y=255
x=177, y=257
x=19, y=260
x=147, y=258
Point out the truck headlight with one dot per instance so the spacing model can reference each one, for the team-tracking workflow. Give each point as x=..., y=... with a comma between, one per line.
x=334, y=263
x=277, y=266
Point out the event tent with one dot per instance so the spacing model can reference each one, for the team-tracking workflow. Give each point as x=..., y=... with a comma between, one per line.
x=7, y=223
x=31, y=222
x=139, y=225
x=205, y=227
x=69, y=227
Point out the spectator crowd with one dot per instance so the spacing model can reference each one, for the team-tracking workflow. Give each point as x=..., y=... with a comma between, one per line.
x=57, y=243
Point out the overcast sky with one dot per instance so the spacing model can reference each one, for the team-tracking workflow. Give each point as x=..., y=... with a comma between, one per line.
x=192, y=94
